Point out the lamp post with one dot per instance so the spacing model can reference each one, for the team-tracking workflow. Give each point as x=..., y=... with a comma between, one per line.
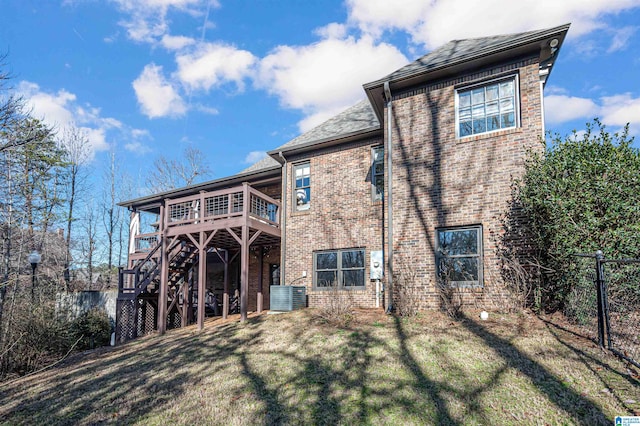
x=34, y=259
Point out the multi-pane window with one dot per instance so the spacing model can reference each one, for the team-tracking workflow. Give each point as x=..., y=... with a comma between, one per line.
x=377, y=173
x=459, y=256
x=486, y=108
x=342, y=269
x=302, y=186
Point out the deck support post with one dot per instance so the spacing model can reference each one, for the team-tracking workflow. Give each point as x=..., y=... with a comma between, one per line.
x=260, y=267
x=190, y=297
x=225, y=294
x=185, y=302
x=244, y=272
x=164, y=278
x=202, y=279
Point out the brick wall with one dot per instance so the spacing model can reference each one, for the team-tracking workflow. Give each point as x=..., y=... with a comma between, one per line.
x=342, y=215
x=441, y=181
x=438, y=181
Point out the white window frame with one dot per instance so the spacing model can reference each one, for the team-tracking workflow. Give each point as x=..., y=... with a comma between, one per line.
x=302, y=187
x=516, y=105
x=339, y=270
x=375, y=195
x=441, y=256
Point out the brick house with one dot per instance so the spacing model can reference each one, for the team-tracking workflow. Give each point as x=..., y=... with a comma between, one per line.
x=413, y=180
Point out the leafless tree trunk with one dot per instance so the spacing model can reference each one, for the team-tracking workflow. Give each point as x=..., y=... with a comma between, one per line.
x=111, y=216
x=77, y=146
x=89, y=239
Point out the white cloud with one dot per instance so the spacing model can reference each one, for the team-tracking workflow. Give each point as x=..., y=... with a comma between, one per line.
x=436, y=22
x=136, y=144
x=332, y=30
x=137, y=148
x=156, y=95
x=621, y=38
x=325, y=77
x=563, y=108
x=61, y=110
x=176, y=42
x=620, y=110
x=140, y=134
x=213, y=64
x=376, y=16
x=206, y=109
x=254, y=156
x=146, y=20
x=616, y=110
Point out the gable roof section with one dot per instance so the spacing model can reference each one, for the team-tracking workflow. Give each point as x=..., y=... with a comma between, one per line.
x=263, y=164
x=363, y=119
x=460, y=55
x=352, y=123
x=453, y=51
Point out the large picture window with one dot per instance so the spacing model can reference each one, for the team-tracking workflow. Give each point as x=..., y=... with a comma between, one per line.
x=487, y=107
x=343, y=269
x=377, y=173
x=459, y=256
x=302, y=186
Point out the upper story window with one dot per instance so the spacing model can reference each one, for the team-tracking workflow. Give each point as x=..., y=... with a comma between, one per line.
x=459, y=256
x=302, y=186
x=488, y=107
x=377, y=173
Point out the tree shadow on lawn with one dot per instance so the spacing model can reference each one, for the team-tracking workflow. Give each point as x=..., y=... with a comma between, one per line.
x=602, y=367
x=563, y=397
x=359, y=376
x=343, y=384
x=118, y=386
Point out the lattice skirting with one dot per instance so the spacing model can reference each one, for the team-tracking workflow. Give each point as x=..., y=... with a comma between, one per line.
x=134, y=318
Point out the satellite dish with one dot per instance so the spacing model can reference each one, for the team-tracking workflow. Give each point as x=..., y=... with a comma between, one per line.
x=301, y=196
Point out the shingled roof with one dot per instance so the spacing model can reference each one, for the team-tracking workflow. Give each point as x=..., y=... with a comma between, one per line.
x=357, y=119
x=454, y=51
x=265, y=163
x=461, y=50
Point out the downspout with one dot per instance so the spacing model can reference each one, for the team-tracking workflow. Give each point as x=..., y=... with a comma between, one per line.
x=389, y=199
x=283, y=220
x=543, y=73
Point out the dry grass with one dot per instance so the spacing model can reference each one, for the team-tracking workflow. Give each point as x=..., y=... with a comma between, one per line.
x=295, y=369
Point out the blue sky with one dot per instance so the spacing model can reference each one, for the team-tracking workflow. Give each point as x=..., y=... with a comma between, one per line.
x=237, y=78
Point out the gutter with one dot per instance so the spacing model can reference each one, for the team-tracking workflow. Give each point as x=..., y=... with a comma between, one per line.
x=283, y=220
x=389, y=289
x=324, y=142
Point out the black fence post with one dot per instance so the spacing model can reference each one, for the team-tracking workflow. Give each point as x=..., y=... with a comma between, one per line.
x=599, y=291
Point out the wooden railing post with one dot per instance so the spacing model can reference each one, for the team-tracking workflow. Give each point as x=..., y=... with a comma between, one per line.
x=246, y=200
x=201, y=208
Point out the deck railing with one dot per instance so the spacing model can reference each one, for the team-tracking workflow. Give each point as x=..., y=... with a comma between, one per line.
x=209, y=207
x=146, y=242
x=223, y=204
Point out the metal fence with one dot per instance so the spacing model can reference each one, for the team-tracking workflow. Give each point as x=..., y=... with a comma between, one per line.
x=605, y=301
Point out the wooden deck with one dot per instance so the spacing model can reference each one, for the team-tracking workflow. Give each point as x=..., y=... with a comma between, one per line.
x=227, y=222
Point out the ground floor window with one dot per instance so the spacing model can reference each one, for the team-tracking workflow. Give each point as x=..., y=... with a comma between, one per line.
x=459, y=255
x=343, y=269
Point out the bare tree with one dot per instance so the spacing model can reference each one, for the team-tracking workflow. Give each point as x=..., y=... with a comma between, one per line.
x=89, y=238
x=111, y=214
x=11, y=109
x=167, y=174
x=77, y=154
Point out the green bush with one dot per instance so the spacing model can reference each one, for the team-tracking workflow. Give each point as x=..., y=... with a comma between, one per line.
x=93, y=328
x=581, y=195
